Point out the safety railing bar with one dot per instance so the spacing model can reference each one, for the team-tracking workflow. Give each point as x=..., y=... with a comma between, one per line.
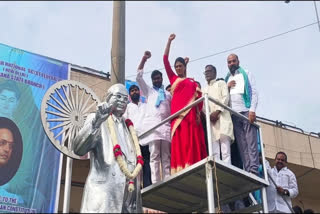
x=263, y=190
x=191, y=105
x=313, y=134
x=207, y=98
x=172, y=117
x=280, y=124
x=208, y=123
x=231, y=110
x=263, y=156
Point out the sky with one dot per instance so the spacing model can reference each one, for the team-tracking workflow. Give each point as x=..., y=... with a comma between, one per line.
x=286, y=67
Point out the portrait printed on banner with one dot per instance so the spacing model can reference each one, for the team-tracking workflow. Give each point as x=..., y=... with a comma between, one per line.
x=11, y=149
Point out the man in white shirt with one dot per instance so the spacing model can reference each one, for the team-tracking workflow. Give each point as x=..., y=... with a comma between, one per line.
x=221, y=123
x=135, y=112
x=244, y=99
x=158, y=109
x=286, y=185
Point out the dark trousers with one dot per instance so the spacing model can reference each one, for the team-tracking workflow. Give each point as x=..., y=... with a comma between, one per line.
x=246, y=140
x=146, y=166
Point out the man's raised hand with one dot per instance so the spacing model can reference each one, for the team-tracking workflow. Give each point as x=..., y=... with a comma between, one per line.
x=147, y=55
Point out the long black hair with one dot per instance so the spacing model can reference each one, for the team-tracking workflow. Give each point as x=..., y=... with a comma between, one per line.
x=180, y=59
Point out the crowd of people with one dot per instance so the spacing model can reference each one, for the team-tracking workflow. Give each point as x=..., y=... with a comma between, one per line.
x=182, y=142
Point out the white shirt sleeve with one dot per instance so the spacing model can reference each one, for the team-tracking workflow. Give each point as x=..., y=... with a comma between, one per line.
x=144, y=88
x=223, y=95
x=255, y=95
x=268, y=167
x=169, y=97
x=293, y=186
x=204, y=90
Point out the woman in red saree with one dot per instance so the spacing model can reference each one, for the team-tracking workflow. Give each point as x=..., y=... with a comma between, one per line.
x=187, y=136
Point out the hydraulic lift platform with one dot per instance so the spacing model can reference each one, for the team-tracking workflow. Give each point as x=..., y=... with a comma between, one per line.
x=187, y=191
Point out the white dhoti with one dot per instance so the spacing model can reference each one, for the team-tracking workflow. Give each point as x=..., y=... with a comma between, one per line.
x=223, y=145
x=160, y=153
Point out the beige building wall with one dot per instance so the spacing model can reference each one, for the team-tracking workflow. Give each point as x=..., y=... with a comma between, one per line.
x=98, y=82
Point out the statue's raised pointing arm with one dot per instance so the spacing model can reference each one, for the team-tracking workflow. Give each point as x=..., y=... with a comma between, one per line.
x=112, y=184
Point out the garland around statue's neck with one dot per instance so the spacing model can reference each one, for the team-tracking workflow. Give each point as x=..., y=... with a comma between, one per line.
x=118, y=153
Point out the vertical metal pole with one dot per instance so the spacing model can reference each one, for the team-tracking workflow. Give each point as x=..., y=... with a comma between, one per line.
x=315, y=7
x=264, y=200
x=263, y=190
x=118, y=42
x=209, y=134
x=209, y=172
x=263, y=156
x=210, y=187
x=57, y=202
x=67, y=186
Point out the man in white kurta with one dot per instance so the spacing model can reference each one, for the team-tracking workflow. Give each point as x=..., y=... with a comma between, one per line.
x=279, y=196
x=136, y=111
x=158, y=109
x=221, y=123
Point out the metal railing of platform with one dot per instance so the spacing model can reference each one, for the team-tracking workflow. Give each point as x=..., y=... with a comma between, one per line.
x=209, y=174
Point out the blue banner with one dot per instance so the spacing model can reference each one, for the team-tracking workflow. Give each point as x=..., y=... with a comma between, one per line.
x=29, y=163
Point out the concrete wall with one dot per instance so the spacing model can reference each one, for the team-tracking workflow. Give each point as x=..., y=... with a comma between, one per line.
x=315, y=148
x=98, y=84
x=301, y=149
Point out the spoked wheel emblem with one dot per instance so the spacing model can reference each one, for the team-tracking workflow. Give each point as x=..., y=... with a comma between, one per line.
x=64, y=109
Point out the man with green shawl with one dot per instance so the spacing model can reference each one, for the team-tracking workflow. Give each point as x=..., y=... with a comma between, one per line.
x=244, y=99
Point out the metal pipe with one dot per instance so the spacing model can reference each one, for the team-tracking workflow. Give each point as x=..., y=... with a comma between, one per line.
x=67, y=186
x=265, y=172
x=315, y=7
x=118, y=49
x=57, y=202
x=208, y=124
x=210, y=187
x=231, y=110
x=171, y=117
x=264, y=200
x=264, y=196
